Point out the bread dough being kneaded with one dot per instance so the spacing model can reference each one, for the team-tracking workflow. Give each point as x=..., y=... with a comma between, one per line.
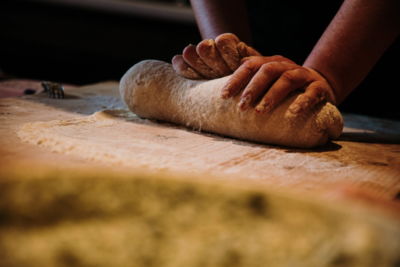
x=153, y=90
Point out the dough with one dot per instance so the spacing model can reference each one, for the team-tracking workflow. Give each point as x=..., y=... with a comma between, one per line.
x=153, y=90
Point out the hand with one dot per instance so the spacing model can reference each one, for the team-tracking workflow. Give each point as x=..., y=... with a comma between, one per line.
x=212, y=58
x=264, y=82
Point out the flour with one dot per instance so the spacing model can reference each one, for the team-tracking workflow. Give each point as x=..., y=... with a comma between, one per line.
x=153, y=90
x=120, y=138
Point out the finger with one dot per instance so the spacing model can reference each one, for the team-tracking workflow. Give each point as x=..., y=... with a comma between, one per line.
x=183, y=69
x=208, y=52
x=227, y=46
x=289, y=81
x=240, y=78
x=261, y=81
x=246, y=51
x=330, y=95
x=195, y=62
x=315, y=93
x=243, y=75
x=277, y=58
x=263, y=60
x=237, y=81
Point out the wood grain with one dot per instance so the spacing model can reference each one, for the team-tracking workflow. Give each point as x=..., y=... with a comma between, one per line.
x=367, y=156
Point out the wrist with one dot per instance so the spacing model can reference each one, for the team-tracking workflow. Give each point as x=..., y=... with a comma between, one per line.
x=332, y=80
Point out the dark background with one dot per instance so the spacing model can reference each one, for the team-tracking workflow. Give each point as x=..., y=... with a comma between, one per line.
x=81, y=45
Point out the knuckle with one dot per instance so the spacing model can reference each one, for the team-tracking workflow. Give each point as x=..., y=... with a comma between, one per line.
x=301, y=72
x=227, y=36
x=296, y=75
x=281, y=58
x=252, y=59
x=278, y=57
x=290, y=75
x=270, y=67
x=248, y=65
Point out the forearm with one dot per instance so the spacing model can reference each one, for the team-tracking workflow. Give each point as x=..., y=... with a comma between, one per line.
x=354, y=41
x=215, y=17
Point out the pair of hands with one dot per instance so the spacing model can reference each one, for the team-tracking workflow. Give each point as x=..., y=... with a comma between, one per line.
x=262, y=82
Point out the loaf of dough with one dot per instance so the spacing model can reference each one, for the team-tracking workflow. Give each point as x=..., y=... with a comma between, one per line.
x=153, y=90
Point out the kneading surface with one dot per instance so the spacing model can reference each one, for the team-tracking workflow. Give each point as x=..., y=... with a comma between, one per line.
x=152, y=89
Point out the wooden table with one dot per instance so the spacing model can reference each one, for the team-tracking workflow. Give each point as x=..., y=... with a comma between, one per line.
x=224, y=201
x=367, y=155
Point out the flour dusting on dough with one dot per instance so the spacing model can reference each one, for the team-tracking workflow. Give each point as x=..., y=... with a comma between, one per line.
x=153, y=90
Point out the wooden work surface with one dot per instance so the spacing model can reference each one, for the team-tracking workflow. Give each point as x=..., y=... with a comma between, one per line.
x=367, y=155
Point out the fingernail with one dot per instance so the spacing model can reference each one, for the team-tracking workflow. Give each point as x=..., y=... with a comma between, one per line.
x=262, y=108
x=244, y=102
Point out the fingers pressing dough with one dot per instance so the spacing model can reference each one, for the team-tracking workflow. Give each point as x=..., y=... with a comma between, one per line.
x=183, y=69
x=227, y=46
x=153, y=90
x=209, y=53
x=192, y=59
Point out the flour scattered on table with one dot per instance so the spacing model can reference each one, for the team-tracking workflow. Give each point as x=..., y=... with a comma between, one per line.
x=120, y=138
